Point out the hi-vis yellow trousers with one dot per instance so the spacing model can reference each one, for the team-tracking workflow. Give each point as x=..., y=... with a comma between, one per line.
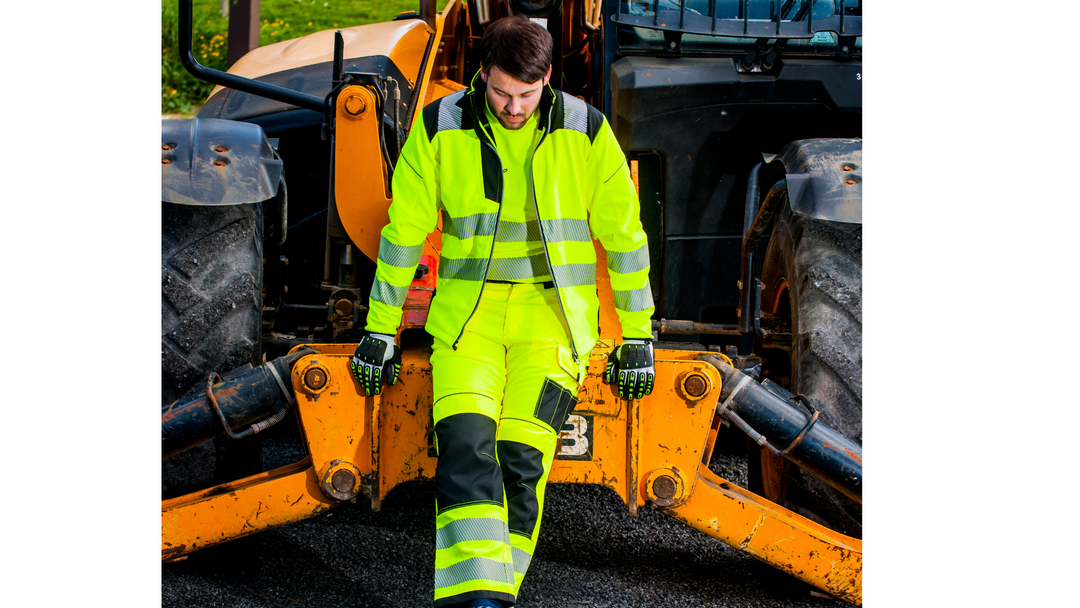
x=500, y=399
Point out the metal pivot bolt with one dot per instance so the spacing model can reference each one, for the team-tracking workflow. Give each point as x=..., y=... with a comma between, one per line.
x=343, y=307
x=340, y=480
x=355, y=105
x=694, y=385
x=343, y=481
x=316, y=378
x=666, y=487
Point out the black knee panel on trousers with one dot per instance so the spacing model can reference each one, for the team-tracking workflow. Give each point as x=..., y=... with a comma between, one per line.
x=522, y=467
x=467, y=471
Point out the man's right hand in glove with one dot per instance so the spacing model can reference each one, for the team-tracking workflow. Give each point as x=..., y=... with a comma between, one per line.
x=631, y=367
x=377, y=358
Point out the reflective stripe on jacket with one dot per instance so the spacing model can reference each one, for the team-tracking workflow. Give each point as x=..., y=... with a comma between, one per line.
x=581, y=188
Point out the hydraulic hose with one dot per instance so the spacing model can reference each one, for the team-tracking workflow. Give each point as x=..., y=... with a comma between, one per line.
x=771, y=417
x=245, y=398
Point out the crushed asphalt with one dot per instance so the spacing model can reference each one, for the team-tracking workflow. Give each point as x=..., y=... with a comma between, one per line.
x=590, y=553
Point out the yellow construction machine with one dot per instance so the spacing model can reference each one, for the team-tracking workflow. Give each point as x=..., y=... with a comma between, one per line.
x=741, y=122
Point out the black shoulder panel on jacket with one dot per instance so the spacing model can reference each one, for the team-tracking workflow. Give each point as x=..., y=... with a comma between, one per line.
x=596, y=120
x=431, y=118
x=577, y=115
x=446, y=114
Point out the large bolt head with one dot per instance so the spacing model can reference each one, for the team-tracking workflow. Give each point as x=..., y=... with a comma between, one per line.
x=316, y=378
x=693, y=385
x=664, y=487
x=696, y=386
x=355, y=105
x=343, y=307
x=338, y=481
x=343, y=481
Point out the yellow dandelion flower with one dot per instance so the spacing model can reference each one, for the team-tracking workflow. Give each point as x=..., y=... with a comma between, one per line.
x=309, y=23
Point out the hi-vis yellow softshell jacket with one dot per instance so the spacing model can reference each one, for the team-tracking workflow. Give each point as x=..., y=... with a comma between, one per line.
x=581, y=188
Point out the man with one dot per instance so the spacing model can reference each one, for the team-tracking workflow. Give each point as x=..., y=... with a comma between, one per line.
x=524, y=178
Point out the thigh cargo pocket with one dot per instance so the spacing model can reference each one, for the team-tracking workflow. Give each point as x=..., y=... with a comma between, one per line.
x=556, y=401
x=554, y=405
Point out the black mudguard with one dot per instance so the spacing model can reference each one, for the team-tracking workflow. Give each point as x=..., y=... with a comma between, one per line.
x=824, y=178
x=207, y=161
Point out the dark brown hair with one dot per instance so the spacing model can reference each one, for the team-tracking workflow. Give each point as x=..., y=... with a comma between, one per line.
x=517, y=46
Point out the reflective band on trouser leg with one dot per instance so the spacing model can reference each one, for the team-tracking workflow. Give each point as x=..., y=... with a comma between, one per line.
x=472, y=555
x=472, y=551
x=514, y=350
x=541, y=390
x=472, y=548
x=525, y=471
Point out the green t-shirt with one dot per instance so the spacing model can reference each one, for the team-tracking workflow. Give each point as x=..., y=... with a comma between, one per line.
x=519, y=254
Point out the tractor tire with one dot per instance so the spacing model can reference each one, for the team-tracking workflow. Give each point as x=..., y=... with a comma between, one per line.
x=813, y=271
x=211, y=305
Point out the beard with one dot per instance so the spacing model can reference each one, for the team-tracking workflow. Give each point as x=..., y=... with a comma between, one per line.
x=511, y=126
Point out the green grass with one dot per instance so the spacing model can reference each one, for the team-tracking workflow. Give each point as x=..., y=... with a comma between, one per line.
x=281, y=20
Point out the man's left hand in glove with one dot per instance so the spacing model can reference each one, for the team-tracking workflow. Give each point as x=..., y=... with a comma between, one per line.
x=630, y=365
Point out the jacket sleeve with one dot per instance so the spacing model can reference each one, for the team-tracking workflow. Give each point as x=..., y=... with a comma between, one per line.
x=413, y=215
x=615, y=219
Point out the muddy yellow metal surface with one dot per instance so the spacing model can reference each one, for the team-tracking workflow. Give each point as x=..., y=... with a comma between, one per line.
x=618, y=443
x=240, y=508
x=649, y=451
x=813, y=553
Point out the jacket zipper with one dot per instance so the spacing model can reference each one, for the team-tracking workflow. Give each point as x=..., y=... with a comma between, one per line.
x=491, y=253
x=540, y=224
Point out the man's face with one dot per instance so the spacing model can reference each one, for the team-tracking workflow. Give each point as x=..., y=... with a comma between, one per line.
x=512, y=101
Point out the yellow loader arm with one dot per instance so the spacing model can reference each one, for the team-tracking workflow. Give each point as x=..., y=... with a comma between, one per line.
x=652, y=451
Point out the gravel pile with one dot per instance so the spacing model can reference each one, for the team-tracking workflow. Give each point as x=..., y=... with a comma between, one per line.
x=590, y=553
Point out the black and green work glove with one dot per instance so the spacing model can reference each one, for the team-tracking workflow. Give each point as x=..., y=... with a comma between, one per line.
x=631, y=366
x=377, y=359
